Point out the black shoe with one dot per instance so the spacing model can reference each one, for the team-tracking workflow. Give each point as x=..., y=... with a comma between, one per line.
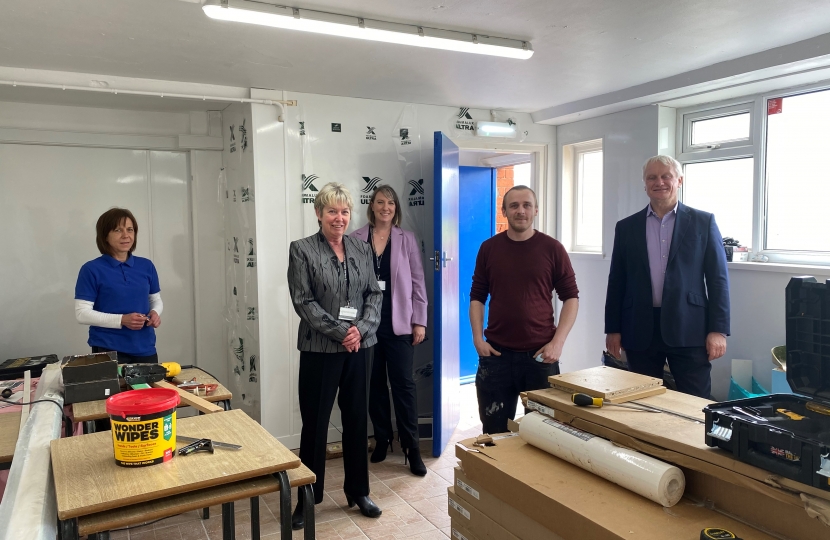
x=367, y=507
x=379, y=453
x=298, y=517
x=416, y=464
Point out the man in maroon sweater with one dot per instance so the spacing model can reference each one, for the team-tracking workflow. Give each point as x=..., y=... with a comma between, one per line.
x=519, y=269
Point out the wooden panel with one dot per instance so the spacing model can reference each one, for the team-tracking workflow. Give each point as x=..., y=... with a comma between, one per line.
x=611, y=384
x=87, y=479
x=190, y=399
x=9, y=428
x=667, y=431
x=96, y=410
x=196, y=500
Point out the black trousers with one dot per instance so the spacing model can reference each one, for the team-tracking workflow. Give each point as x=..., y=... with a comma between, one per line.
x=690, y=366
x=321, y=375
x=394, y=356
x=124, y=358
x=500, y=379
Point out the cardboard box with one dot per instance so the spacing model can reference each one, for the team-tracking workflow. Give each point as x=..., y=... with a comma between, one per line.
x=505, y=515
x=575, y=503
x=470, y=518
x=459, y=532
x=90, y=377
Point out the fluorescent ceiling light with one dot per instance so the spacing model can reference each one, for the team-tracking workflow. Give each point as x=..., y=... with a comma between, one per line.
x=496, y=129
x=355, y=27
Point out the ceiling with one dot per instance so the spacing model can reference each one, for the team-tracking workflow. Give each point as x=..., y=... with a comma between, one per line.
x=582, y=49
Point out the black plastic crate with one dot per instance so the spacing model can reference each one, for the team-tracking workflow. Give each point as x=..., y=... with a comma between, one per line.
x=787, y=434
x=14, y=368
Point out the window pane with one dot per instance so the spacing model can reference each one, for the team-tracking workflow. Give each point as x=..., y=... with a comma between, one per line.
x=589, y=200
x=723, y=188
x=724, y=128
x=797, y=190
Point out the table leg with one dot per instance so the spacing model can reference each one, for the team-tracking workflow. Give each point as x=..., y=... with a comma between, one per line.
x=68, y=429
x=285, y=505
x=89, y=426
x=309, y=532
x=228, y=522
x=255, y=518
x=227, y=404
x=68, y=529
x=205, y=513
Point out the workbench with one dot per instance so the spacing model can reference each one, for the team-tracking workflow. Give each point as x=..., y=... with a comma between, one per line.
x=94, y=494
x=89, y=411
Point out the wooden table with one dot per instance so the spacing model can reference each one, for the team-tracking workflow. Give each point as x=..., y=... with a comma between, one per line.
x=9, y=427
x=88, y=411
x=88, y=481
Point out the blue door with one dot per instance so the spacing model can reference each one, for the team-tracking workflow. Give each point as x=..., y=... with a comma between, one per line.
x=476, y=223
x=445, y=395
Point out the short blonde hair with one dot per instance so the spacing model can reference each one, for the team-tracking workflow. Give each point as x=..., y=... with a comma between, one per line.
x=331, y=194
x=668, y=161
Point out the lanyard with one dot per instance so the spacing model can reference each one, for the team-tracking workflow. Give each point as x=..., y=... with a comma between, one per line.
x=343, y=272
x=378, y=258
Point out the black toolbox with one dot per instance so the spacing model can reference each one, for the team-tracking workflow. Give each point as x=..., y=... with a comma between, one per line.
x=14, y=368
x=787, y=434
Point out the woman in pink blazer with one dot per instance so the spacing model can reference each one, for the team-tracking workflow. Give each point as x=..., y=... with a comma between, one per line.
x=403, y=319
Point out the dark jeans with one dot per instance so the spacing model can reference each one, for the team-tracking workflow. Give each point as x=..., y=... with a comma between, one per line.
x=395, y=357
x=124, y=358
x=321, y=375
x=690, y=366
x=500, y=379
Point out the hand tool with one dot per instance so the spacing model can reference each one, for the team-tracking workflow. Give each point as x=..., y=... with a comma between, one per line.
x=584, y=400
x=817, y=407
x=791, y=415
x=201, y=445
x=714, y=533
x=141, y=375
x=217, y=444
x=667, y=411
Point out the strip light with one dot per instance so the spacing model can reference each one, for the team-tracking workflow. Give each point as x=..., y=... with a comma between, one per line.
x=356, y=27
x=496, y=129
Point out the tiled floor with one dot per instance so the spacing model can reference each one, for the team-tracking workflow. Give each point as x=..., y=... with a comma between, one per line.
x=413, y=508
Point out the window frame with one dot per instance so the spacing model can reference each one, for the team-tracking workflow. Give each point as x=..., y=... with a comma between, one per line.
x=578, y=150
x=755, y=147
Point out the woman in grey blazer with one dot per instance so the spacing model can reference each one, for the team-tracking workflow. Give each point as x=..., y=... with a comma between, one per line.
x=336, y=295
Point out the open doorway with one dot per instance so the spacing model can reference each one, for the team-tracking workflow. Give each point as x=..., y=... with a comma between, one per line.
x=485, y=176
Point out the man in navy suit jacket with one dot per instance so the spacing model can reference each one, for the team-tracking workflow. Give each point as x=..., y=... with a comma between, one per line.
x=668, y=289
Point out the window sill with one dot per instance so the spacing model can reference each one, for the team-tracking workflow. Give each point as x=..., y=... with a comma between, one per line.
x=586, y=255
x=784, y=268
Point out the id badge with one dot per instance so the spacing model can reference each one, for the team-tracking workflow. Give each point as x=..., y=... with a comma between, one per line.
x=348, y=313
x=382, y=285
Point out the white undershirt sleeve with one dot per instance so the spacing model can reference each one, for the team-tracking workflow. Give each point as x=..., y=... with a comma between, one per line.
x=156, y=303
x=86, y=315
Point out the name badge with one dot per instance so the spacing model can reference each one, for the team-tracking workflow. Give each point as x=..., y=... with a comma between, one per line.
x=382, y=285
x=348, y=313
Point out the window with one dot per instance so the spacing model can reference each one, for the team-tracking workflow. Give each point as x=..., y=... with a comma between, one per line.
x=756, y=165
x=798, y=192
x=582, y=218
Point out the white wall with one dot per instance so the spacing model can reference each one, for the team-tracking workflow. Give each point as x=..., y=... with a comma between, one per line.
x=756, y=292
x=346, y=157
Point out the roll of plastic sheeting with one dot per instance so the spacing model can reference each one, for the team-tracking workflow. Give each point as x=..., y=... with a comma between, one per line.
x=644, y=475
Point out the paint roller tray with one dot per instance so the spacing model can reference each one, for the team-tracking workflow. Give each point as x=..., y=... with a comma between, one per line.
x=787, y=434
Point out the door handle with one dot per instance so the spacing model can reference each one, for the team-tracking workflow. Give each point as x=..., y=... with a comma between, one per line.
x=440, y=259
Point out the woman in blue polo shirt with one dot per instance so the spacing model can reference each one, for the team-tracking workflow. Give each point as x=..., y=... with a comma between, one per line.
x=118, y=294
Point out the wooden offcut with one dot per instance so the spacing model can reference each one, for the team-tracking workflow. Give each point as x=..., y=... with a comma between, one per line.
x=611, y=384
x=190, y=399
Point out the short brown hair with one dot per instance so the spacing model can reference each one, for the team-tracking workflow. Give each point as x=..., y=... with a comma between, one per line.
x=390, y=193
x=517, y=188
x=108, y=222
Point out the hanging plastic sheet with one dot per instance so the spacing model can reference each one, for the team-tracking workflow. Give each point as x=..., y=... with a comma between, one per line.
x=406, y=136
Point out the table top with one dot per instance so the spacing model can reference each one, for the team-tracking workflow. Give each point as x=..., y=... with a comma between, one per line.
x=96, y=410
x=9, y=427
x=87, y=479
x=194, y=500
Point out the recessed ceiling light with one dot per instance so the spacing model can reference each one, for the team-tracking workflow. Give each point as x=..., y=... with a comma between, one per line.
x=368, y=29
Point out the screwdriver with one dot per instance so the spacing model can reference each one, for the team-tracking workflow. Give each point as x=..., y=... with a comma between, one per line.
x=584, y=400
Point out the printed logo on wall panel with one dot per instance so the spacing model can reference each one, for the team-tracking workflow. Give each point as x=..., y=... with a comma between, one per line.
x=244, y=133
x=370, y=187
x=302, y=128
x=252, y=376
x=309, y=189
x=405, y=140
x=236, y=250
x=232, y=142
x=464, y=121
x=246, y=194
x=251, y=313
x=416, y=195
x=239, y=354
x=370, y=134
x=250, y=261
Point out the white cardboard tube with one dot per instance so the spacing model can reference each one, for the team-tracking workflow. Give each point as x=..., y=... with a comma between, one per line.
x=642, y=474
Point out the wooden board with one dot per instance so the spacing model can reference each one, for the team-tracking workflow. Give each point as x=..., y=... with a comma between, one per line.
x=9, y=428
x=87, y=479
x=97, y=410
x=669, y=432
x=190, y=399
x=611, y=384
x=195, y=500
